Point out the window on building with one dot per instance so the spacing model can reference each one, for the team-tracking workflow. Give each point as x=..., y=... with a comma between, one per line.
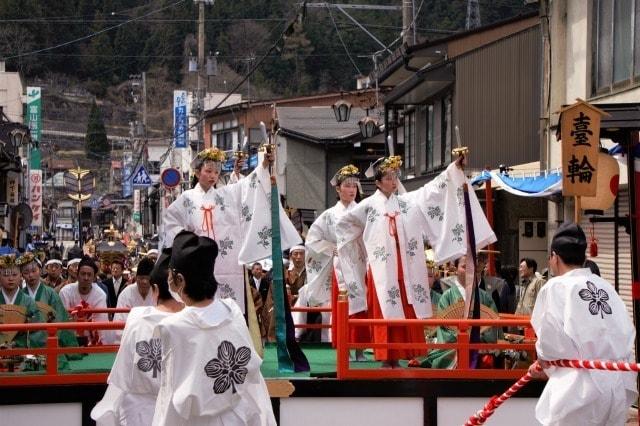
x=409, y=140
x=615, y=45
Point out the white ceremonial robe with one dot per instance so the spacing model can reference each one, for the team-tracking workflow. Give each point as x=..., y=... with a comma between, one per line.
x=301, y=317
x=435, y=213
x=238, y=217
x=96, y=298
x=134, y=380
x=321, y=244
x=130, y=298
x=210, y=370
x=580, y=316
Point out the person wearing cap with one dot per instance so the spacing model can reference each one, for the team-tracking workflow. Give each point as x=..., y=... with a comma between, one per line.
x=235, y=216
x=153, y=254
x=53, y=267
x=134, y=379
x=10, y=294
x=45, y=295
x=392, y=228
x=86, y=293
x=579, y=315
x=210, y=372
x=138, y=294
x=323, y=269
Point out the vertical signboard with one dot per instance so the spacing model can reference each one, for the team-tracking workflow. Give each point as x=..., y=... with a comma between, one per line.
x=127, y=175
x=580, y=133
x=180, y=128
x=35, y=196
x=136, y=205
x=34, y=112
x=12, y=189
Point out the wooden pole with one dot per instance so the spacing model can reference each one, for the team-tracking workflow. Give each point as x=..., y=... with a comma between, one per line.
x=488, y=190
x=576, y=217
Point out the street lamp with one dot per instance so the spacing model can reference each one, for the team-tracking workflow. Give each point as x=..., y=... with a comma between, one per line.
x=342, y=110
x=368, y=127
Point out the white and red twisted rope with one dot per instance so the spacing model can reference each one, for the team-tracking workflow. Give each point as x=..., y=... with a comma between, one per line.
x=481, y=416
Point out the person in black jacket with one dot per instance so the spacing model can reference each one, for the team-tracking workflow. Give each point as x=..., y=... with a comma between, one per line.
x=116, y=283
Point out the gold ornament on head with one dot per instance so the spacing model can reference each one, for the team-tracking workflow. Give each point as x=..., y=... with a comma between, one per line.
x=25, y=259
x=8, y=261
x=349, y=171
x=391, y=163
x=212, y=154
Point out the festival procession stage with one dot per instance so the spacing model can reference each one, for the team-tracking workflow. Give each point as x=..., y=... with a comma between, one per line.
x=335, y=391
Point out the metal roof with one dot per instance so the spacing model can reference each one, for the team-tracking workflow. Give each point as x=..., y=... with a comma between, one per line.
x=318, y=124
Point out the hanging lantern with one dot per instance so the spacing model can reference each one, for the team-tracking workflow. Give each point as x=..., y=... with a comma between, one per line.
x=368, y=127
x=193, y=64
x=607, y=186
x=342, y=110
x=593, y=242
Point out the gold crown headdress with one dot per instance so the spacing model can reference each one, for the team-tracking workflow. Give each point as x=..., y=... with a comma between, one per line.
x=393, y=162
x=348, y=171
x=212, y=154
x=8, y=261
x=26, y=259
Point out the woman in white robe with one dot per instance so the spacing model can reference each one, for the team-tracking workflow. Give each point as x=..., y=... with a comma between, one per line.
x=210, y=371
x=236, y=216
x=324, y=277
x=134, y=381
x=393, y=229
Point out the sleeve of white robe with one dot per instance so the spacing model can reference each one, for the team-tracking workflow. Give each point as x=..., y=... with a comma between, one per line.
x=255, y=211
x=319, y=261
x=352, y=258
x=173, y=221
x=441, y=201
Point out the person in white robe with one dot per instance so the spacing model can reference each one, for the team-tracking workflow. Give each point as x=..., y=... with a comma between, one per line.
x=579, y=315
x=87, y=291
x=303, y=317
x=134, y=380
x=236, y=216
x=393, y=228
x=324, y=275
x=210, y=372
x=137, y=294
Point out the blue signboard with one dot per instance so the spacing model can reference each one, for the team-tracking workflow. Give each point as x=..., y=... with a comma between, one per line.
x=127, y=175
x=180, y=127
x=248, y=165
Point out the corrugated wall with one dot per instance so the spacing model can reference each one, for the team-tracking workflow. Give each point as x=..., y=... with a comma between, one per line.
x=606, y=255
x=497, y=100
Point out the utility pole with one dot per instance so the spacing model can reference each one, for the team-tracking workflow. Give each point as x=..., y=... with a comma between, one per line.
x=408, y=27
x=473, y=15
x=201, y=90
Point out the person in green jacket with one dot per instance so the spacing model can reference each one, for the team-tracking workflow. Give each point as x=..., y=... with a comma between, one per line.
x=447, y=358
x=10, y=294
x=43, y=294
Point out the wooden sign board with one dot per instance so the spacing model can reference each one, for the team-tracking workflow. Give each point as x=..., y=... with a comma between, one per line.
x=580, y=133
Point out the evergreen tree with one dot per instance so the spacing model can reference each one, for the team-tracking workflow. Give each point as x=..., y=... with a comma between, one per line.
x=96, y=143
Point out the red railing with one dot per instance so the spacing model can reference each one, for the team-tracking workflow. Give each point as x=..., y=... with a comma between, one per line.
x=463, y=346
x=307, y=309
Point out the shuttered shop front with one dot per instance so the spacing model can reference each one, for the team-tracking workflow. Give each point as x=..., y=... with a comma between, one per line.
x=604, y=233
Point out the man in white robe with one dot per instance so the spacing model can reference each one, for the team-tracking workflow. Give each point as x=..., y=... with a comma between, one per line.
x=87, y=291
x=135, y=295
x=578, y=315
x=236, y=216
x=386, y=222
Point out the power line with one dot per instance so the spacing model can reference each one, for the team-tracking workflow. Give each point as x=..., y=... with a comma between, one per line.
x=342, y=41
x=93, y=34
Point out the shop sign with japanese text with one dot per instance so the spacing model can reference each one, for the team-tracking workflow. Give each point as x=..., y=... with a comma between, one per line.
x=35, y=197
x=580, y=133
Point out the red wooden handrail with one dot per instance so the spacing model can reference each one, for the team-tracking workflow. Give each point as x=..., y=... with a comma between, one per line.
x=462, y=345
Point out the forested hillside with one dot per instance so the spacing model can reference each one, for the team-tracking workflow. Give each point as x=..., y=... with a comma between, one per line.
x=162, y=36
